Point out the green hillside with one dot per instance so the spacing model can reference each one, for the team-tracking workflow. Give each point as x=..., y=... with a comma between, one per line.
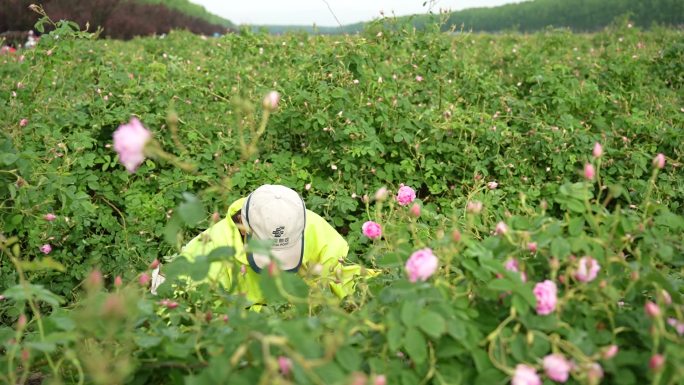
x=192, y=9
x=535, y=15
x=578, y=15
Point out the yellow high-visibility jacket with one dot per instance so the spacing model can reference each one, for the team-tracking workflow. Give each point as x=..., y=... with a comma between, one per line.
x=324, y=249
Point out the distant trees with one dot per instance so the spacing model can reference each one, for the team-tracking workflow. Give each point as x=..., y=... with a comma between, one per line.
x=578, y=15
x=121, y=19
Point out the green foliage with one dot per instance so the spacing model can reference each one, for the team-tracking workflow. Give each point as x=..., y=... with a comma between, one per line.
x=522, y=110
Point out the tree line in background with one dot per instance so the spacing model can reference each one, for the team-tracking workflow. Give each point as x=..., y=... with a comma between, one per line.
x=530, y=16
x=120, y=19
x=578, y=15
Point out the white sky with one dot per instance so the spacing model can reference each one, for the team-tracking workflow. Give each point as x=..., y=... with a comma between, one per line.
x=308, y=12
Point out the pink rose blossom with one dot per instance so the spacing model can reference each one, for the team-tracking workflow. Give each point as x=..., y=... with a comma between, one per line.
x=587, y=269
x=652, y=310
x=118, y=281
x=372, y=230
x=501, y=228
x=595, y=373
x=405, y=195
x=49, y=217
x=610, y=352
x=525, y=375
x=532, y=247
x=129, y=142
x=46, y=248
x=21, y=321
x=144, y=279
x=381, y=194
x=23, y=122
x=271, y=100
x=659, y=161
x=380, y=380
x=557, y=367
x=511, y=264
x=419, y=78
x=285, y=365
x=589, y=171
x=679, y=326
x=492, y=185
x=421, y=265
x=474, y=207
x=598, y=150
x=656, y=362
x=415, y=210
x=546, y=294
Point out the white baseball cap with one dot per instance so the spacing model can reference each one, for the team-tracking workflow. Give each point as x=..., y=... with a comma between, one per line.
x=276, y=213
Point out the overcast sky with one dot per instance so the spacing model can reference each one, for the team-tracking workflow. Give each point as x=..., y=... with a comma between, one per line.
x=308, y=12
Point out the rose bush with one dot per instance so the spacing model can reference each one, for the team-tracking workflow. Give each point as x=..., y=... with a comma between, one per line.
x=479, y=288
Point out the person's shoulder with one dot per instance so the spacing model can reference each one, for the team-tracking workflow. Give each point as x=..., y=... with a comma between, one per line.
x=236, y=206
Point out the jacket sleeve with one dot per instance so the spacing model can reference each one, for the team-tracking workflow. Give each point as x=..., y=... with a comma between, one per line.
x=329, y=249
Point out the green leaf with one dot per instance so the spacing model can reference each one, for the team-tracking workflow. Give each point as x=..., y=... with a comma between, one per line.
x=294, y=285
x=560, y=248
x=432, y=324
x=520, y=304
x=394, y=335
x=481, y=359
x=62, y=320
x=349, y=358
x=191, y=210
x=416, y=345
x=409, y=313
x=501, y=284
x=146, y=342
x=22, y=293
x=46, y=347
x=270, y=290
x=575, y=226
x=456, y=329
x=527, y=293
x=223, y=253
x=46, y=263
x=8, y=158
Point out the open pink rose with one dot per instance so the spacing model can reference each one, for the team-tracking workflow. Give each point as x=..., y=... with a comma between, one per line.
x=405, y=195
x=421, y=265
x=587, y=269
x=129, y=142
x=546, y=294
x=372, y=230
x=557, y=367
x=525, y=375
x=46, y=248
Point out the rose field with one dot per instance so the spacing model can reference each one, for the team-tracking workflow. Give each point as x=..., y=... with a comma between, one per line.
x=520, y=195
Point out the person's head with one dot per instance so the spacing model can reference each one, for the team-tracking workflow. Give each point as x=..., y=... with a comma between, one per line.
x=277, y=214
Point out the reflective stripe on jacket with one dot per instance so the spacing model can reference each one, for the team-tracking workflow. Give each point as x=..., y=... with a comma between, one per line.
x=323, y=246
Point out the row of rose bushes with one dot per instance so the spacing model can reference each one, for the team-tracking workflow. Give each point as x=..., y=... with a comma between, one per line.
x=477, y=304
x=520, y=272
x=391, y=106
